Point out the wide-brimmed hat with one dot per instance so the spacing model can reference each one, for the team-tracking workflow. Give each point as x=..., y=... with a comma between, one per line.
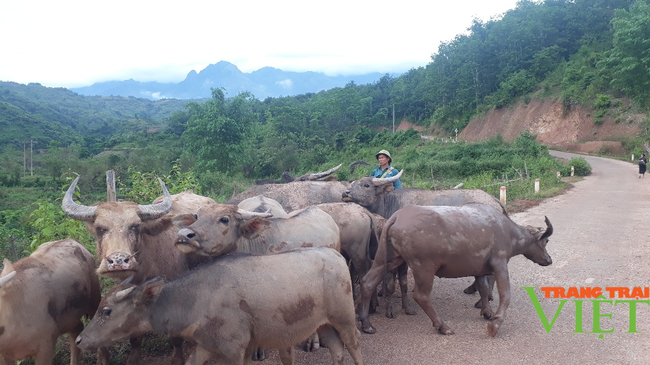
x=384, y=152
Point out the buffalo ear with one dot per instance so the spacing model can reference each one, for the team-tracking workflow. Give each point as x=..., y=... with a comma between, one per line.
x=184, y=220
x=150, y=291
x=250, y=228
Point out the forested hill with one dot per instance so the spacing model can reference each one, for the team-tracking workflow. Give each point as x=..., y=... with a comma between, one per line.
x=60, y=116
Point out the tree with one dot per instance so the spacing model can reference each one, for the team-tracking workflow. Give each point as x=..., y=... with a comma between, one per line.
x=218, y=132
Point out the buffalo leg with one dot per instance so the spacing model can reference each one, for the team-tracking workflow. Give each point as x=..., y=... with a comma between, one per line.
x=503, y=286
x=312, y=343
x=333, y=342
x=343, y=333
x=45, y=353
x=387, y=293
x=402, y=274
x=287, y=356
x=422, y=295
x=473, y=288
x=483, y=302
x=200, y=356
x=368, y=285
x=72, y=340
x=136, y=351
x=177, y=355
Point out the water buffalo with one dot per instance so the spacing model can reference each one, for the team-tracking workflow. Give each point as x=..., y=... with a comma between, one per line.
x=43, y=296
x=231, y=306
x=296, y=195
x=378, y=196
x=138, y=240
x=449, y=242
x=287, y=177
x=262, y=204
x=218, y=229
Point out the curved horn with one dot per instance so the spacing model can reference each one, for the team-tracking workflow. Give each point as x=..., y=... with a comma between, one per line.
x=123, y=293
x=74, y=210
x=549, y=229
x=5, y=279
x=247, y=214
x=155, y=211
x=319, y=175
x=377, y=181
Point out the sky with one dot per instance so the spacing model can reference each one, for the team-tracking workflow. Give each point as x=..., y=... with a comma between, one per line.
x=74, y=43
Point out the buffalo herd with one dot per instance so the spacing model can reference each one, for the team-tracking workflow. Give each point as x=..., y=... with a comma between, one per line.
x=271, y=268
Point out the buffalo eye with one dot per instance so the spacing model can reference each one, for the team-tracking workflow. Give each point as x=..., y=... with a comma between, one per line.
x=100, y=232
x=134, y=228
x=224, y=220
x=106, y=312
x=366, y=185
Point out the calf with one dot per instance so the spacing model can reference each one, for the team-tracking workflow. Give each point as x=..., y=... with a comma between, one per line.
x=232, y=305
x=472, y=240
x=43, y=296
x=218, y=229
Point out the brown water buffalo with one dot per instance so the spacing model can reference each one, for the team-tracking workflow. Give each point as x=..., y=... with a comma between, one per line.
x=449, y=242
x=378, y=196
x=138, y=240
x=218, y=229
x=232, y=305
x=43, y=296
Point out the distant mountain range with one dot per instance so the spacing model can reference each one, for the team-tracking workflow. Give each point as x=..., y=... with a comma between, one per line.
x=263, y=83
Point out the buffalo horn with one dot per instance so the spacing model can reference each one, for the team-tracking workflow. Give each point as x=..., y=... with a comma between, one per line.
x=378, y=181
x=320, y=175
x=155, y=211
x=123, y=293
x=549, y=228
x=6, y=278
x=247, y=214
x=74, y=210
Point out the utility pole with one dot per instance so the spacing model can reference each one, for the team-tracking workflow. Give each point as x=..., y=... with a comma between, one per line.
x=31, y=157
x=393, y=117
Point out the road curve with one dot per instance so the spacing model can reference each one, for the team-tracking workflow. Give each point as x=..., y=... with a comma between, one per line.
x=600, y=239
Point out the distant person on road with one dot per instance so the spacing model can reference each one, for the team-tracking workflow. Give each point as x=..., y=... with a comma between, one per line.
x=642, y=162
x=385, y=169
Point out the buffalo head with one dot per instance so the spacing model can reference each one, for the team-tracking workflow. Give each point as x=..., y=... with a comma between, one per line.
x=366, y=190
x=119, y=228
x=215, y=229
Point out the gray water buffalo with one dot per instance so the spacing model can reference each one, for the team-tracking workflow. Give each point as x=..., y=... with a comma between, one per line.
x=138, y=240
x=378, y=196
x=219, y=229
x=232, y=305
x=296, y=195
x=449, y=242
x=43, y=296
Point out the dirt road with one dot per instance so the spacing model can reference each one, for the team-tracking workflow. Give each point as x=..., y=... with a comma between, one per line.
x=600, y=240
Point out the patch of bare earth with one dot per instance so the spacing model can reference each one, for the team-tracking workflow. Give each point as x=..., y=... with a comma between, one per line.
x=572, y=130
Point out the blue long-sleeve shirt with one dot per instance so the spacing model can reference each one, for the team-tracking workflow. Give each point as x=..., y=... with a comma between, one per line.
x=378, y=172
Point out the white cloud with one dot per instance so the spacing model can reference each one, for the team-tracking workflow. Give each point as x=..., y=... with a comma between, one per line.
x=76, y=43
x=286, y=84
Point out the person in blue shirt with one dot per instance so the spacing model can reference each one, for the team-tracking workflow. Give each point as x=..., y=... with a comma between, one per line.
x=385, y=169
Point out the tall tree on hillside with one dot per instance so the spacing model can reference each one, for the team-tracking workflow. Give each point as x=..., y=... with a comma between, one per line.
x=218, y=132
x=629, y=60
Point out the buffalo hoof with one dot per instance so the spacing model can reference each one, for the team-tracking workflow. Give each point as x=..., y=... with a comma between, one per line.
x=390, y=313
x=470, y=289
x=410, y=311
x=487, y=313
x=477, y=304
x=258, y=354
x=493, y=328
x=445, y=330
x=369, y=329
